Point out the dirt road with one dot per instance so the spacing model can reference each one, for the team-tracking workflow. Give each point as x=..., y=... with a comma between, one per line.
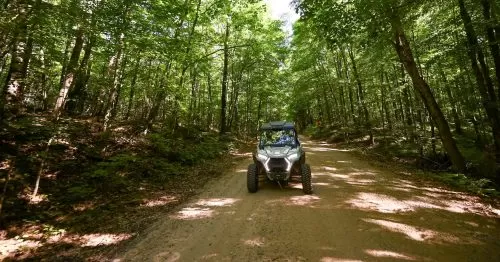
x=358, y=213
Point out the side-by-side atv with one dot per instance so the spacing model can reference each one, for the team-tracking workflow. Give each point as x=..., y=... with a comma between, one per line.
x=279, y=157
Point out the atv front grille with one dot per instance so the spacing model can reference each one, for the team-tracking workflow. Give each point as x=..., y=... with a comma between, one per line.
x=277, y=165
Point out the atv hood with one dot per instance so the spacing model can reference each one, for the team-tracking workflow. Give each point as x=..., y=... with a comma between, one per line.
x=277, y=152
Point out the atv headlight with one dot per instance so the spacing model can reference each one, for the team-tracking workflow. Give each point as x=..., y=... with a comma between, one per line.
x=264, y=159
x=290, y=159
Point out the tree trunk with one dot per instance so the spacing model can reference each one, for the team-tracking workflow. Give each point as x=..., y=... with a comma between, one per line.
x=13, y=89
x=484, y=85
x=453, y=103
x=132, y=88
x=75, y=95
x=116, y=77
x=492, y=38
x=224, y=82
x=405, y=54
x=210, y=103
x=361, y=95
x=70, y=74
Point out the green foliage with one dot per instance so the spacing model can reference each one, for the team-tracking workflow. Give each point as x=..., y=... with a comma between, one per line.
x=187, y=152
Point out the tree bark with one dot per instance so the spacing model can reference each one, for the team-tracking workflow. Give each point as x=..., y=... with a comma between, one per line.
x=13, y=89
x=132, y=88
x=361, y=95
x=484, y=83
x=70, y=74
x=224, y=82
x=116, y=76
x=75, y=95
x=492, y=38
x=403, y=49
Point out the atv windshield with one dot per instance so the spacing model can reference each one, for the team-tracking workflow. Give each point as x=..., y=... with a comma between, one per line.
x=286, y=137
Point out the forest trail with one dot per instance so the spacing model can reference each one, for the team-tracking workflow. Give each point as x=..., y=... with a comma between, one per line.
x=358, y=213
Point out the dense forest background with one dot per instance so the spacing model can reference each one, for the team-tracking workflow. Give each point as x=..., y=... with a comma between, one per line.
x=98, y=96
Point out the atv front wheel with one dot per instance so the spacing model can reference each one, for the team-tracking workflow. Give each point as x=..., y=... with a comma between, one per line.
x=306, y=179
x=252, y=178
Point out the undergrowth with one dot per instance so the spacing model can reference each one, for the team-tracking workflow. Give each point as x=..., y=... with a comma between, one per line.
x=94, y=181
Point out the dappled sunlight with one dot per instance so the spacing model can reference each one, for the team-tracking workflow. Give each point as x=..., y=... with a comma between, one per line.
x=34, y=200
x=203, y=208
x=88, y=240
x=328, y=168
x=321, y=184
x=296, y=186
x=422, y=235
x=83, y=206
x=320, y=149
x=402, y=189
x=209, y=256
x=360, y=182
x=162, y=201
x=334, y=259
x=94, y=240
x=362, y=173
x=12, y=246
x=344, y=162
x=241, y=154
x=430, y=190
x=387, y=204
x=241, y=171
x=193, y=213
x=410, y=231
x=217, y=202
x=167, y=257
x=303, y=200
x=255, y=242
x=380, y=203
x=388, y=254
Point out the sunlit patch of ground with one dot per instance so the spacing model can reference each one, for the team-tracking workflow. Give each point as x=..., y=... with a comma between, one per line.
x=361, y=182
x=422, y=235
x=204, y=208
x=321, y=184
x=83, y=206
x=209, y=256
x=380, y=203
x=217, y=202
x=241, y=154
x=328, y=168
x=303, y=200
x=93, y=240
x=167, y=257
x=322, y=149
x=410, y=231
x=362, y=173
x=38, y=199
x=254, y=242
x=191, y=213
x=388, y=254
x=10, y=247
x=162, y=201
x=388, y=204
x=334, y=259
